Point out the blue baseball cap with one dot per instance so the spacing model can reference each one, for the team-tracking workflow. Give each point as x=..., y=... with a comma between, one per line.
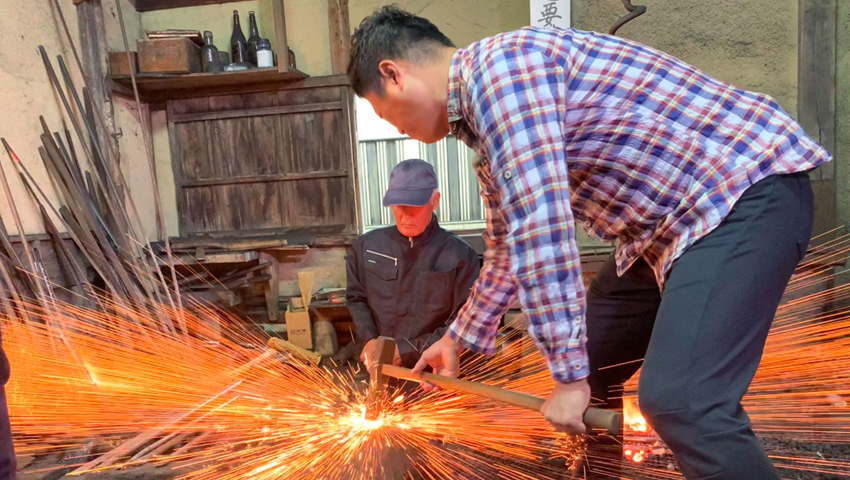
x=412, y=183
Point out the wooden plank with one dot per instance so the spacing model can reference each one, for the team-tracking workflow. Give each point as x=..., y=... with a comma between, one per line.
x=281, y=43
x=191, y=152
x=351, y=154
x=257, y=112
x=231, y=208
x=318, y=142
x=817, y=78
x=297, y=92
x=217, y=258
x=280, y=177
x=336, y=240
x=177, y=166
x=271, y=290
x=232, y=154
x=200, y=211
x=134, y=3
x=340, y=35
x=160, y=87
x=318, y=202
x=152, y=5
x=92, y=42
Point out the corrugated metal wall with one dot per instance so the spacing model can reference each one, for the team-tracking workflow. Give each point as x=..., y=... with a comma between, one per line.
x=461, y=207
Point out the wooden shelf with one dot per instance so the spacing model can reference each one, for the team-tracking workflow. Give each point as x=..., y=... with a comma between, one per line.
x=151, y=5
x=158, y=87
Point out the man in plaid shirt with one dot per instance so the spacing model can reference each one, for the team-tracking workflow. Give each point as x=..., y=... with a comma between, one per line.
x=703, y=187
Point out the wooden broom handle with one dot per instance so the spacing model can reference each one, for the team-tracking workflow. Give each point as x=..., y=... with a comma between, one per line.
x=594, y=418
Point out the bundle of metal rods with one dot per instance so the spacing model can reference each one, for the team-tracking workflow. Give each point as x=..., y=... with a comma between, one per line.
x=109, y=250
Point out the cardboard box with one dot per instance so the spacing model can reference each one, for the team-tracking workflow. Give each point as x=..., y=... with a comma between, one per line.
x=298, y=328
x=169, y=55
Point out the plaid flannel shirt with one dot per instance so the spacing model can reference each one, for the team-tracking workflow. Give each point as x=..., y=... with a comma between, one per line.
x=634, y=145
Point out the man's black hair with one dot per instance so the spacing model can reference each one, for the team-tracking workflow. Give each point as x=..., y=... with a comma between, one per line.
x=390, y=34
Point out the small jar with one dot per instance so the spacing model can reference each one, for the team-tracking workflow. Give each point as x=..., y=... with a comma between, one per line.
x=265, y=57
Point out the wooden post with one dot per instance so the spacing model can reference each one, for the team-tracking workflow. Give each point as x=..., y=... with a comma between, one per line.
x=272, y=289
x=92, y=42
x=281, y=45
x=340, y=35
x=816, y=97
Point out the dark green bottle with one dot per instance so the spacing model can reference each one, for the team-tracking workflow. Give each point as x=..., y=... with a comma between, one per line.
x=238, y=44
x=254, y=39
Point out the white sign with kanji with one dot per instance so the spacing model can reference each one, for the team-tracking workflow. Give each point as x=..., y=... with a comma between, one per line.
x=550, y=13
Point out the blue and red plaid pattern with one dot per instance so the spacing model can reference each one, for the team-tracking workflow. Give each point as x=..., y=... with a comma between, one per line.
x=633, y=144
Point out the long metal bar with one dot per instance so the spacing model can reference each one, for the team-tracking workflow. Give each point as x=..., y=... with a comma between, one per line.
x=99, y=118
x=86, y=219
x=152, y=167
x=75, y=270
x=119, y=268
x=72, y=183
x=7, y=306
x=95, y=241
x=17, y=218
x=111, y=457
x=94, y=263
x=118, y=212
x=6, y=243
x=13, y=290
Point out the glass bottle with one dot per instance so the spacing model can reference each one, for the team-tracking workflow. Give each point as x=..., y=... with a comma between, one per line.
x=209, y=54
x=238, y=44
x=253, y=40
x=291, y=59
x=265, y=56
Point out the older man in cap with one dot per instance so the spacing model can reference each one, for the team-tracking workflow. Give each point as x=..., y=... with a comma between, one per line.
x=409, y=280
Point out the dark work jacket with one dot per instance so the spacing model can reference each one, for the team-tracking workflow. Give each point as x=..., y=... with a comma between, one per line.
x=408, y=289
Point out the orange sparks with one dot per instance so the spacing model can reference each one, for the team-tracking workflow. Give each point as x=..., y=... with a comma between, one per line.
x=249, y=414
x=216, y=405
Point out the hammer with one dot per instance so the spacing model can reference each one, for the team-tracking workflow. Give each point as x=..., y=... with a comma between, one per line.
x=382, y=369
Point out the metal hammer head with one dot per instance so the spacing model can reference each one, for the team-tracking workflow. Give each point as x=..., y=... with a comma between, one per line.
x=384, y=353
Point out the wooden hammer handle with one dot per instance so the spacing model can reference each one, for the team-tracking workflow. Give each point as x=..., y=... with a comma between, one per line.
x=594, y=418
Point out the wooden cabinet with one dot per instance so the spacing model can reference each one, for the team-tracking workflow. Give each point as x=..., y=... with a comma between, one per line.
x=267, y=162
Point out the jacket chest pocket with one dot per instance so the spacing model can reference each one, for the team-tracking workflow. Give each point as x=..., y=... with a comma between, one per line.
x=381, y=280
x=378, y=270
x=434, y=293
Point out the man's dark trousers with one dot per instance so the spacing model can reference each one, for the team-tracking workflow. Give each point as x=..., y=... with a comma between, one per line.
x=703, y=338
x=8, y=462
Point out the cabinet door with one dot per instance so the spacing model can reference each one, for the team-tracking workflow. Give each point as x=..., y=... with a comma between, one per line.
x=265, y=162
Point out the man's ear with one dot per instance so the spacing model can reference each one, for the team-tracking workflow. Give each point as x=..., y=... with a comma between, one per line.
x=392, y=74
x=436, y=201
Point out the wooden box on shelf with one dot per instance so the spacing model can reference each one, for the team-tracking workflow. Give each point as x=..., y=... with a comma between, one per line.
x=169, y=55
x=118, y=64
